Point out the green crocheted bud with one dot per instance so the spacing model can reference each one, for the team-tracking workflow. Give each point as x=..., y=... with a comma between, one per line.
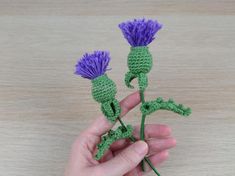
x=139, y=60
x=103, y=89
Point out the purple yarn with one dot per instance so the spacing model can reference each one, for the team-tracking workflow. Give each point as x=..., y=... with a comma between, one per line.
x=93, y=65
x=140, y=32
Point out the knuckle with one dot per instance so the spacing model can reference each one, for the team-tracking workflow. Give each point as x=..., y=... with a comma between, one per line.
x=165, y=130
x=79, y=141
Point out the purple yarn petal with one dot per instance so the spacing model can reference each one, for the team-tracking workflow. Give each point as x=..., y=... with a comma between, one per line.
x=93, y=65
x=140, y=32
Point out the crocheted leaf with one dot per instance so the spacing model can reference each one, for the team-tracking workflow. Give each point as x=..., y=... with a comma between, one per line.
x=128, y=78
x=140, y=32
x=152, y=106
x=93, y=65
x=111, y=137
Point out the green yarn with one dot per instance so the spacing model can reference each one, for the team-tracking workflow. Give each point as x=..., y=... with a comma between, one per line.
x=152, y=106
x=111, y=109
x=104, y=91
x=142, y=81
x=139, y=63
x=112, y=136
x=139, y=60
x=128, y=78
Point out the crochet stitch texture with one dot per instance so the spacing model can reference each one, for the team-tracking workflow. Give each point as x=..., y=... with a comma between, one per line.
x=151, y=106
x=139, y=33
x=93, y=67
x=139, y=60
x=104, y=91
x=112, y=136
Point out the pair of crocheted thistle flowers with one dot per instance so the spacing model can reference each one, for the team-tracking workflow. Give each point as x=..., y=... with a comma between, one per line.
x=139, y=33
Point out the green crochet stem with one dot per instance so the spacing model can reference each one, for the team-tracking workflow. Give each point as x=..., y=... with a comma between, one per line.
x=132, y=138
x=142, y=135
x=139, y=63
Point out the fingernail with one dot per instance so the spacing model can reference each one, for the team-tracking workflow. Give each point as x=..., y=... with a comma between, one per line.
x=141, y=148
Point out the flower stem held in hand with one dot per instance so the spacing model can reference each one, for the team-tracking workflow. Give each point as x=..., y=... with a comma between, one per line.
x=132, y=138
x=143, y=116
x=142, y=125
x=93, y=66
x=139, y=34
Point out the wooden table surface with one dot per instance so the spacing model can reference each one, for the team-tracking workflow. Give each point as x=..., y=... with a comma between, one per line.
x=44, y=106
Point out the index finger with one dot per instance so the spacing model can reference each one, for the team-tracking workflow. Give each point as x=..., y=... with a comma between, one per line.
x=101, y=125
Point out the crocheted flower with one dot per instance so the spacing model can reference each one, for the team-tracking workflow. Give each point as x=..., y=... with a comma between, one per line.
x=140, y=32
x=93, y=65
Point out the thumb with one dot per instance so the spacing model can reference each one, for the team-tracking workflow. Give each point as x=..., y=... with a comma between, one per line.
x=126, y=160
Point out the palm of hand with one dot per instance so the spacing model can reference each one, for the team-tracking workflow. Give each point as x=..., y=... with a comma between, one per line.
x=123, y=156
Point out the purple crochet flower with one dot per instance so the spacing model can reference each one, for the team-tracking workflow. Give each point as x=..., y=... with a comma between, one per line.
x=93, y=65
x=140, y=32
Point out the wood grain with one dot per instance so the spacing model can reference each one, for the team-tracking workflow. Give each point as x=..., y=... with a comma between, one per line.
x=44, y=106
x=116, y=7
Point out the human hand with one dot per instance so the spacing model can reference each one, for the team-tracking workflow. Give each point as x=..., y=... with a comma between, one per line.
x=123, y=156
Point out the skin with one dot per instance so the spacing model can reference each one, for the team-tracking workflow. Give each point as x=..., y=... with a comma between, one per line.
x=123, y=157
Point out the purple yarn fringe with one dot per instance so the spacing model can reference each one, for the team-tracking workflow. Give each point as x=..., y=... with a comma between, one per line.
x=140, y=32
x=93, y=65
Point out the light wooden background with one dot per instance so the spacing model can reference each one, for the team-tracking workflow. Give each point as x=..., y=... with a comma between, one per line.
x=44, y=106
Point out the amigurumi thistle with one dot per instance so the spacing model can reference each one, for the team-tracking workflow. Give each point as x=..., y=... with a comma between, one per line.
x=139, y=33
x=93, y=66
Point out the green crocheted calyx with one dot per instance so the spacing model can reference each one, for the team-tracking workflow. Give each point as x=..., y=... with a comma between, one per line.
x=142, y=80
x=103, y=89
x=111, y=109
x=139, y=63
x=158, y=104
x=111, y=137
x=139, y=60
